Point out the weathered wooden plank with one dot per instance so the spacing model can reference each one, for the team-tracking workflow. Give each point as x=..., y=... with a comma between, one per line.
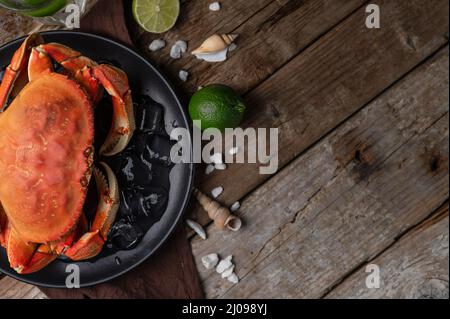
x=271, y=33
x=13, y=289
x=331, y=79
x=194, y=24
x=346, y=199
x=415, y=267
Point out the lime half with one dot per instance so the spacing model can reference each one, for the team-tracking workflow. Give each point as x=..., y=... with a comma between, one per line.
x=156, y=16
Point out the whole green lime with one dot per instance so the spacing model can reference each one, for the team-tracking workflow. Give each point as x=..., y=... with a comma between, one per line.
x=217, y=106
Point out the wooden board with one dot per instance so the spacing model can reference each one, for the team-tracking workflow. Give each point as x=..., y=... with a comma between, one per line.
x=13, y=289
x=346, y=199
x=358, y=169
x=415, y=267
x=330, y=80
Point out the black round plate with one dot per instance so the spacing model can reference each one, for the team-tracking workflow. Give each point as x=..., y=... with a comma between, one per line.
x=145, y=80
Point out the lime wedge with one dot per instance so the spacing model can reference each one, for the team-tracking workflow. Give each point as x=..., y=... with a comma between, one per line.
x=156, y=16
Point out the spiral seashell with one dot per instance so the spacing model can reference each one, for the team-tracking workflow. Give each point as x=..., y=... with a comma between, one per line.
x=221, y=216
x=215, y=43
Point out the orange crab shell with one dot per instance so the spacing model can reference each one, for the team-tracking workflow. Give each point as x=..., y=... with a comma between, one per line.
x=43, y=161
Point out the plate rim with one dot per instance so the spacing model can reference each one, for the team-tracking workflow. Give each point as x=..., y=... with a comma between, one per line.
x=192, y=170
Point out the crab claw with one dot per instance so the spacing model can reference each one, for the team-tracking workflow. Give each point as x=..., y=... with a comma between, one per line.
x=3, y=223
x=91, y=244
x=115, y=82
x=19, y=252
x=41, y=258
x=15, y=74
x=39, y=63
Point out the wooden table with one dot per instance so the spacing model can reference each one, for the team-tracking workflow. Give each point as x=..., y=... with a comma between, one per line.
x=364, y=137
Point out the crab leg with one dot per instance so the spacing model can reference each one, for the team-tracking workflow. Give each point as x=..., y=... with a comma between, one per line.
x=78, y=66
x=91, y=243
x=115, y=81
x=29, y=258
x=16, y=71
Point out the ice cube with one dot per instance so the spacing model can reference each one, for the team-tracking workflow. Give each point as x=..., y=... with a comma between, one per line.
x=123, y=235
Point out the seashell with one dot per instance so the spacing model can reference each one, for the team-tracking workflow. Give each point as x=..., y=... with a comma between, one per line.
x=224, y=265
x=216, y=192
x=210, y=261
x=182, y=45
x=213, y=57
x=183, y=75
x=228, y=272
x=235, y=207
x=215, y=43
x=209, y=169
x=216, y=158
x=197, y=228
x=215, y=6
x=233, y=278
x=157, y=45
x=221, y=216
x=175, y=52
x=220, y=167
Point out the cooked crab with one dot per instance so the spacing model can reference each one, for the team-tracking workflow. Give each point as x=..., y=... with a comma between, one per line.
x=46, y=154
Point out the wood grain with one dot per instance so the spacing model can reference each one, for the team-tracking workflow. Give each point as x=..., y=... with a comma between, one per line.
x=330, y=80
x=346, y=199
x=271, y=33
x=13, y=289
x=415, y=267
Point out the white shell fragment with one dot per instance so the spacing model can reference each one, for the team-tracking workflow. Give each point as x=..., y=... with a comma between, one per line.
x=157, y=45
x=197, y=228
x=220, y=167
x=178, y=49
x=224, y=265
x=182, y=45
x=228, y=272
x=232, y=47
x=209, y=169
x=216, y=158
x=233, y=150
x=233, y=278
x=235, y=207
x=183, y=75
x=175, y=52
x=216, y=192
x=210, y=261
x=215, y=6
